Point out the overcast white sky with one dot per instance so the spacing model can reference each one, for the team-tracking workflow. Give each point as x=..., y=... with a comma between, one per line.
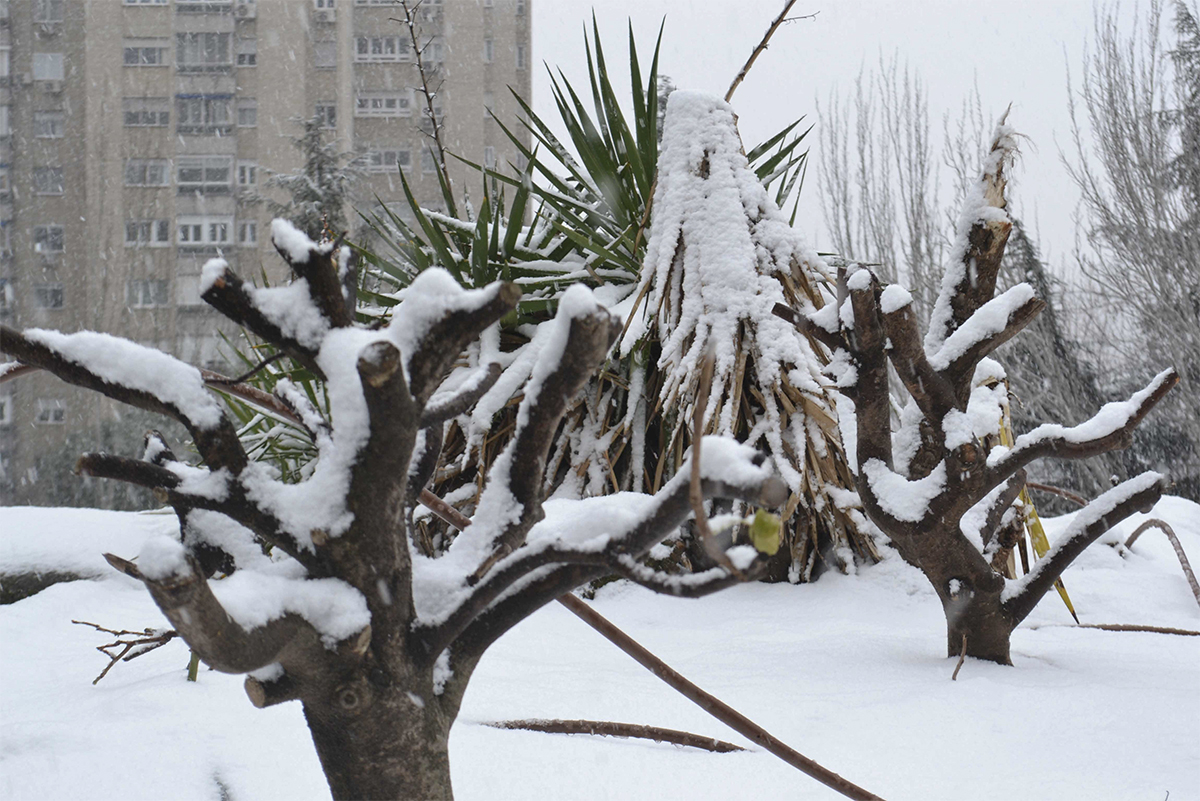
x=1017, y=50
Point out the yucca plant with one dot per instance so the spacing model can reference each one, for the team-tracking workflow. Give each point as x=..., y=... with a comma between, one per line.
x=588, y=218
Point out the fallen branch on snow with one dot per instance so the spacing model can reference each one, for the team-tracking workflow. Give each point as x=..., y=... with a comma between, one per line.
x=605, y=728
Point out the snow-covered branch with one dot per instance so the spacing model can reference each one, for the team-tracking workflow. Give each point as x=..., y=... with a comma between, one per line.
x=1137, y=494
x=179, y=587
x=327, y=268
x=135, y=375
x=460, y=402
x=1109, y=429
x=587, y=539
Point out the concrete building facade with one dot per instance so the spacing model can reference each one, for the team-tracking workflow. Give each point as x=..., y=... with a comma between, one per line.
x=135, y=135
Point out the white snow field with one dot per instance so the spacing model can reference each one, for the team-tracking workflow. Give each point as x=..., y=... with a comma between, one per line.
x=850, y=670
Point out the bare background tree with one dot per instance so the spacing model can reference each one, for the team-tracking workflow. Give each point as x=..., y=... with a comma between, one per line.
x=1135, y=157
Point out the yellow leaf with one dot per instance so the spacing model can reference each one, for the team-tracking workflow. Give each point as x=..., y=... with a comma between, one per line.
x=764, y=532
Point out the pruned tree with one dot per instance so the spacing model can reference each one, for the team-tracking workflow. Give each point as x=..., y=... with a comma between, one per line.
x=376, y=641
x=940, y=488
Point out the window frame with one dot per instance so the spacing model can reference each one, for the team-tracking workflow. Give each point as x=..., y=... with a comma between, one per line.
x=49, y=115
x=49, y=296
x=51, y=189
x=207, y=225
x=49, y=232
x=158, y=233
x=146, y=166
x=205, y=186
x=157, y=109
x=147, y=293
x=377, y=101
x=205, y=106
x=247, y=52
x=50, y=412
x=140, y=47
x=193, y=43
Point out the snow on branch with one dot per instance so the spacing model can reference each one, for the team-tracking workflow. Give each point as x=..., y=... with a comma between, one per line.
x=184, y=595
x=326, y=270
x=1138, y=494
x=988, y=327
x=135, y=375
x=599, y=533
x=983, y=228
x=1109, y=429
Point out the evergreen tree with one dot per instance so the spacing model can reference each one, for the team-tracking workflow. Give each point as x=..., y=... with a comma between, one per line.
x=320, y=190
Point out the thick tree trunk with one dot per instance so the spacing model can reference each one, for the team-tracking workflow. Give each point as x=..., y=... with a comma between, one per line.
x=396, y=748
x=984, y=624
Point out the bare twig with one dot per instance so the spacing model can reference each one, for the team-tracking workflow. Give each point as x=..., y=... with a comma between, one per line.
x=1119, y=627
x=605, y=728
x=1183, y=560
x=962, y=657
x=132, y=644
x=782, y=18
x=410, y=22
x=1059, y=491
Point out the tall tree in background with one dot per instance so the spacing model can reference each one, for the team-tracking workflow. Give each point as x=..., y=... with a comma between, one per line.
x=1137, y=164
x=318, y=191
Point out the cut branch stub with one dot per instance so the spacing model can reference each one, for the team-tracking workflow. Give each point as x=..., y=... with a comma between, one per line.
x=228, y=294
x=318, y=265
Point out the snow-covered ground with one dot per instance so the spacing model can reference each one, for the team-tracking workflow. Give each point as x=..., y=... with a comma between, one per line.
x=850, y=670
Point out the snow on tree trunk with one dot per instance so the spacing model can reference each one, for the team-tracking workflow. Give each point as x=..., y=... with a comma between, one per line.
x=720, y=256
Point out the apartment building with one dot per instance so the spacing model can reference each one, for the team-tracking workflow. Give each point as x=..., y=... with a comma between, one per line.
x=134, y=135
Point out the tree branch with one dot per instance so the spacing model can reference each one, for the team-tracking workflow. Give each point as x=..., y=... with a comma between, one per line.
x=1109, y=429
x=207, y=628
x=933, y=393
x=320, y=269
x=1135, y=495
x=219, y=445
x=693, y=585
x=444, y=340
x=807, y=327
x=229, y=295
x=464, y=399
x=758, y=51
x=612, y=729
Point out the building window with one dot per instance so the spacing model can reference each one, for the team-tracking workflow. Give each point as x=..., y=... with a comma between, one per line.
x=47, y=10
x=324, y=5
x=431, y=10
x=48, y=296
x=204, y=231
x=428, y=162
x=48, y=67
x=520, y=8
x=145, y=2
x=146, y=293
x=489, y=50
x=520, y=57
x=146, y=112
x=387, y=160
x=147, y=172
x=202, y=52
x=381, y=48
x=207, y=115
x=5, y=128
x=6, y=403
x=48, y=124
x=489, y=102
x=5, y=63
x=383, y=104
x=247, y=52
x=6, y=294
x=325, y=55
x=247, y=112
x=327, y=114
x=489, y=157
x=204, y=174
x=4, y=187
x=247, y=173
x=47, y=180
x=146, y=52
x=50, y=411
x=47, y=239
x=147, y=233
x=248, y=234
